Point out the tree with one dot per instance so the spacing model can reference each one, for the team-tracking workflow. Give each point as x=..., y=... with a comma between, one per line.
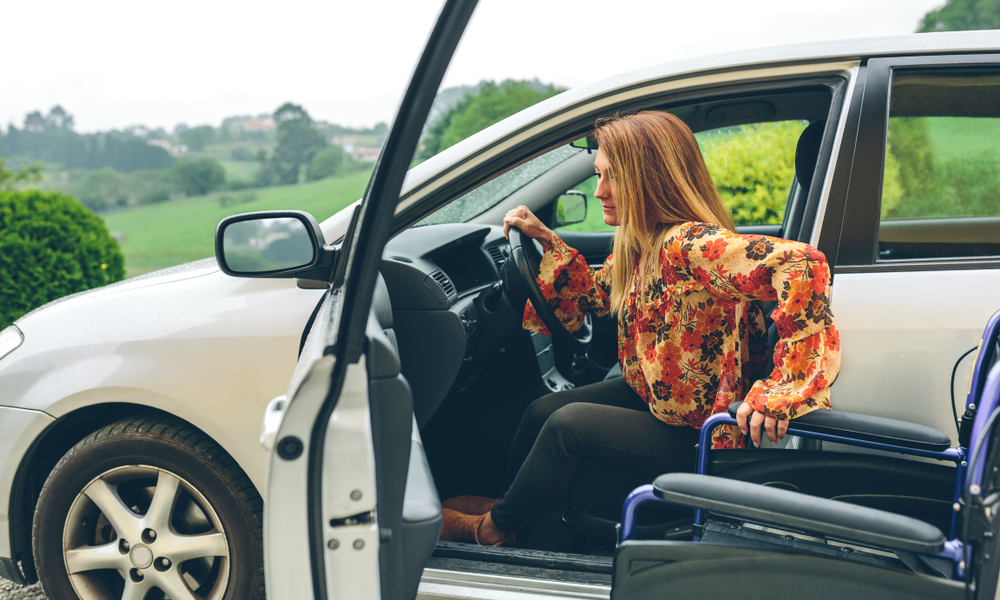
x=51, y=138
x=430, y=144
x=102, y=189
x=199, y=177
x=34, y=122
x=51, y=246
x=476, y=111
x=298, y=141
x=330, y=161
x=59, y=118
x=10, y=180
x=197, y=138
x=961, y=15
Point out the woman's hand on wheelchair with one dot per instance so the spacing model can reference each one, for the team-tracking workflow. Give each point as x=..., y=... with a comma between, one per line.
x=775, y=429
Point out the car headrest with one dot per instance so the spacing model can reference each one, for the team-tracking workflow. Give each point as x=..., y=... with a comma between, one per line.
x=381, y=304
x=807, y=152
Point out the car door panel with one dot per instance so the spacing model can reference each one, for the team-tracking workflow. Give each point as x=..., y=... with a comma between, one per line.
x=421, y=524
x=351, y=525
x=358, y=415
x=901, y=334
x=904, y=324
x=595, y=246
x=410, y=508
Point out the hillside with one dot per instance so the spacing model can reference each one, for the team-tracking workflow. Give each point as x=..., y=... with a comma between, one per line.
x=156, y=236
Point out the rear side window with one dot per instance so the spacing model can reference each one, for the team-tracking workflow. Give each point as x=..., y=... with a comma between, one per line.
x=941, y=176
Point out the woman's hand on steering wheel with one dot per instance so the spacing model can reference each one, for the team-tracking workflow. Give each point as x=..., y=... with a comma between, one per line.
x=529, y=224
x=775, y=429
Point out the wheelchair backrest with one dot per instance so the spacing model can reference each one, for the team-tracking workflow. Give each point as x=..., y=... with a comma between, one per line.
x=986, y=357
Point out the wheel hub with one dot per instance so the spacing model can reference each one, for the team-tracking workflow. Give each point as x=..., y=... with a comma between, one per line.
x=141, y=556
x=138, y=505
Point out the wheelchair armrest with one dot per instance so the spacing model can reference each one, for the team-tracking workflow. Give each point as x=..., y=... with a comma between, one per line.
x=799, y=512
x=867, y=428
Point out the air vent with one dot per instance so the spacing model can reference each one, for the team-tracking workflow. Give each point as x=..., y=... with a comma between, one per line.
x=497, y=255
x=444, y=282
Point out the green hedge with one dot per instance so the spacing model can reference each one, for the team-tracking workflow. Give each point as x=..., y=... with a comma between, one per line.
x=753, y=167
x=50, y=246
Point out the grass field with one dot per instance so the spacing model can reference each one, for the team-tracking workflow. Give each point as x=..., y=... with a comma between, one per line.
x=962, y=138
x=156, y=236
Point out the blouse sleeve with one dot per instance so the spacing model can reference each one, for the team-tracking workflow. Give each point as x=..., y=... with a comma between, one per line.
x=756, y=267
x=572, y=288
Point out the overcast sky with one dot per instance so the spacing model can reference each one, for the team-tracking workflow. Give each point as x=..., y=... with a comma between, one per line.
x=116, y=63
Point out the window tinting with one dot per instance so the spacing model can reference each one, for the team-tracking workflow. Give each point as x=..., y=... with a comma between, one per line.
x=941, y=177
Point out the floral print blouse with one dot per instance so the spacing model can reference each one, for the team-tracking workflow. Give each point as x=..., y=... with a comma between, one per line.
x=700, y=340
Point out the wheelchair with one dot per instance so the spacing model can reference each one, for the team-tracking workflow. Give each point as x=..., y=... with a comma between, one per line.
x=785, y=544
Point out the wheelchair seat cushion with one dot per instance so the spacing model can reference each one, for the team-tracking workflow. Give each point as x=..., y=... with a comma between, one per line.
x=867, y=428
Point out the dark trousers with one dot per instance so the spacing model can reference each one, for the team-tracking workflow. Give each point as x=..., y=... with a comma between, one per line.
x=604, y=421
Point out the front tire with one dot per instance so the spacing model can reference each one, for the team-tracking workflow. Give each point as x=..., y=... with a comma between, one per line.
x=149, y=506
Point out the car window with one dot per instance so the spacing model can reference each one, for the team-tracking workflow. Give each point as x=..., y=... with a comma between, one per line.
x=494, y=191
x=752, y=166
x=941, y=174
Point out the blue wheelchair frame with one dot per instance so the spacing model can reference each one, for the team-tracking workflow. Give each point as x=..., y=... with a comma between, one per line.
x=982, y=404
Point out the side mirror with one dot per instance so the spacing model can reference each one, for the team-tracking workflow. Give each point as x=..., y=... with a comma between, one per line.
x=274, y=244
x=571, y=208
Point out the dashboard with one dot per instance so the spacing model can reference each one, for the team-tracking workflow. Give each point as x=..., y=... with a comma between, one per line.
x=450, y=314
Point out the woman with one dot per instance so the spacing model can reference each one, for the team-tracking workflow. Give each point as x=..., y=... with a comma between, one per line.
x=682, y=286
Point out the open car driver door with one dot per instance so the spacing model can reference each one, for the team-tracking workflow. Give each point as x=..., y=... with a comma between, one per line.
x=338, y=473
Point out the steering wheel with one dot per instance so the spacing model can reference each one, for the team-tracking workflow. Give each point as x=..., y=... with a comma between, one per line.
x=526, y=254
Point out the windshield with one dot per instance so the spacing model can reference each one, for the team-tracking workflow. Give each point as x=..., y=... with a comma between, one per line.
x=494, y=191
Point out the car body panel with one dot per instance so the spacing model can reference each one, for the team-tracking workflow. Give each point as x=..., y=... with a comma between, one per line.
x=438, y=584
x=900, y=354
x=18, y=430
x=158, y=353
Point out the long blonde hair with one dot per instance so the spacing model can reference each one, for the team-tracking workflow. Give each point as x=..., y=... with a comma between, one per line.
x=660, y=180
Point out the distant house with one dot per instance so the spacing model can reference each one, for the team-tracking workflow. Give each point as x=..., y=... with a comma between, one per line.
x=347, y=143
x=366, y=154
x=172, y=149
x=259, y=124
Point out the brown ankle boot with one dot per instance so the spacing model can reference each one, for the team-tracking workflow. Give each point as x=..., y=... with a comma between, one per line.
x=470, y=505
x=458, y=527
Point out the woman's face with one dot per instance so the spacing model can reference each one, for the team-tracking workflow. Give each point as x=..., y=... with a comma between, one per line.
x=605, y=189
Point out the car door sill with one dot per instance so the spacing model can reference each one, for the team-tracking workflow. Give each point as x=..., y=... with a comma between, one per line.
x=441, y=584
x=524, y=557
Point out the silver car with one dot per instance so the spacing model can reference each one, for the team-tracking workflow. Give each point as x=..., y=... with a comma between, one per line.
x=131, y=415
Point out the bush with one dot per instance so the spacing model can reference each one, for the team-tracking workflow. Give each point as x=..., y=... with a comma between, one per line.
x=242, y=153
x=51, y=246
x=199, y=177
x=242, y=198
x=102, y=189
x=106, y=188
x=330, y=161
x=753, y=166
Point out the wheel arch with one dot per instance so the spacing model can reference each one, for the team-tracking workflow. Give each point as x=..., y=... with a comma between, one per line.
x=43, y=454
